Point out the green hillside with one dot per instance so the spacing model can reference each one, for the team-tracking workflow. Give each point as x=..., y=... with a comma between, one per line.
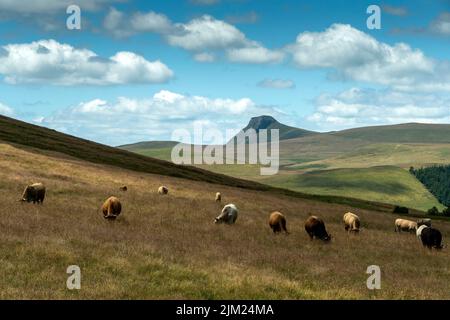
x=154, y=149
x=401, y=133
x=386, y=184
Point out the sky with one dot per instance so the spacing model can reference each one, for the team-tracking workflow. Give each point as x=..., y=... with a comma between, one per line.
x=139, y=70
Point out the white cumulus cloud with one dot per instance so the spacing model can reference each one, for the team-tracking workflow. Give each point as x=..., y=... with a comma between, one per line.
x=6, y=110
x=355, y=55
x=127, y=120
x=206, y=32
x=205, y=36
x=362, y=107
x=441, y=24
x=48, y=61
x=121, y=25
x=254, y=53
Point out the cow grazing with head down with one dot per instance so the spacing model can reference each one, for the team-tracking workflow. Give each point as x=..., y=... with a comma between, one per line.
x=315, y=227
x=123, y=188
x=228, y=215
x=405, y=225
x=111, y=208
x=277, y=221
x=34, y=193
x=218, y=197
x=351, y=222
x=431, y=238
x=163, y=190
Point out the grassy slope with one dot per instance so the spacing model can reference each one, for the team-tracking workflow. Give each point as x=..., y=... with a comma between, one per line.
x=394, y=154
x=403, y=133
x=387, y=184
x=168, y=247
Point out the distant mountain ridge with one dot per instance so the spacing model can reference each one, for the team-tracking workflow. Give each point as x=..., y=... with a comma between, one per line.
x=397, y=133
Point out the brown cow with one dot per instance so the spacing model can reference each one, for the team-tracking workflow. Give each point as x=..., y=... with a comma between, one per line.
x=34, y=193
x=277, y=221
x=123, y=188
x=111, y=208
x=218, y=197
x=315, y=227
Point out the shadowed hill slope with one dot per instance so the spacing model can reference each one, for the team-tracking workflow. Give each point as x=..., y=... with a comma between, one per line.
x=23, y=133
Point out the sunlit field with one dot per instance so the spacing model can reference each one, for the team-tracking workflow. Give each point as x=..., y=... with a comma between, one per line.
x=168, y=246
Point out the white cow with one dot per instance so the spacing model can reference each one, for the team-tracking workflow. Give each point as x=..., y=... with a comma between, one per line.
x=229, y=214
x=420, y=229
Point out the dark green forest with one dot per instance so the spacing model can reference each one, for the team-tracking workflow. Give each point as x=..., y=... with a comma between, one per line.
x=437, y=180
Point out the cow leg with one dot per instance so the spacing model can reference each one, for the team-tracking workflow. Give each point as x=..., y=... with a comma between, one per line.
x=283, y=224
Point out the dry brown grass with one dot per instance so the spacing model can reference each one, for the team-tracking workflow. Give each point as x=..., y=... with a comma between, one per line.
x=169, y=247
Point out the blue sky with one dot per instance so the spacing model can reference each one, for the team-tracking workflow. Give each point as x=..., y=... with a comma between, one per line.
x=138, y=70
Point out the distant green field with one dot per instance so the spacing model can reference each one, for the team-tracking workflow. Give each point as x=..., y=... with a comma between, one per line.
x=158, y=153
x=386, y=184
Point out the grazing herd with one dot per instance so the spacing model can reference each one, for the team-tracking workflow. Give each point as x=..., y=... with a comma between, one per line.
x=314, y=226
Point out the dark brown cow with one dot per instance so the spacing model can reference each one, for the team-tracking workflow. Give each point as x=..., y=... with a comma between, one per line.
x=315, y=228
x=34, y=193
x=431, y=238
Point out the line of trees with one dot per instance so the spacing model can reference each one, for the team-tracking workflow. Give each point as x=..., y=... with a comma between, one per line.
x=437, y=180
